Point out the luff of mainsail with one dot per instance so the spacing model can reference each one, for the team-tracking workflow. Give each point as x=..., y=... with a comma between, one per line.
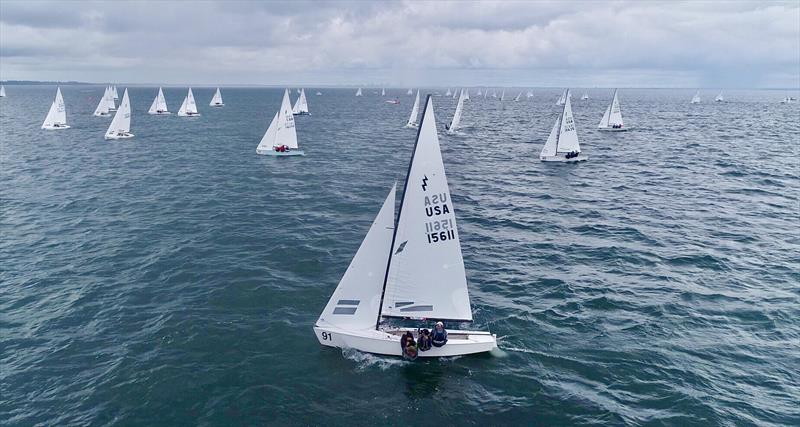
x=425, y=276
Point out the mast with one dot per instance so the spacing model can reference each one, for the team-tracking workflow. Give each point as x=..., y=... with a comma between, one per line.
x=400, y=212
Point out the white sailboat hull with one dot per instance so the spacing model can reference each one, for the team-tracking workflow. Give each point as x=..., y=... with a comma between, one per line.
x=412, y=125
x=54, y=127
x=610, y=129
x=387, y=342
x=217, y=105
x=163, y=113
x=271, y=152
x=120, y=135
x=189, y=114
x=560, y=158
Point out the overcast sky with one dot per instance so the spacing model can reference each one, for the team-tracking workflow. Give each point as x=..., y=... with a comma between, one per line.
x=404, y=43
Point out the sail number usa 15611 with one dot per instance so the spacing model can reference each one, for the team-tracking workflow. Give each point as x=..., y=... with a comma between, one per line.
x=440, y=230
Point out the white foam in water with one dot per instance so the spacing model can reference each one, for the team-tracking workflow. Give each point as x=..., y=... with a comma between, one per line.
x=367, y=360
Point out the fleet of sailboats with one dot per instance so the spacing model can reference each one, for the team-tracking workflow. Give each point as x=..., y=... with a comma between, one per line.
x=562, y=145
x=411, y=268
x=412, y=120
x=612, y=119
x=216, y=100
x=120, y=127
x=57, y=116
x=301, y=105
x=280, y=139
x=189, y=106
x=159, y=105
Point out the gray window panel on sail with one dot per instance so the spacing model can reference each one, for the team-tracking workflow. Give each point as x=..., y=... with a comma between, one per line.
x=403, y=303
x=348, y=302
x=418, y=308
x=344, y=310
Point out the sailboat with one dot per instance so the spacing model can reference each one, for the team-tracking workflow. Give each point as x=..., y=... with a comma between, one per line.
x=412, y=120
x=562, y=144
x=696, y=98
x=383, y=92
x=301, y=105
x=57, y=116
x=358, y=92
x=216, y=100
x=466, y=94
x=529, y=94
x=479, y=92
x=486, y=92
x=280, y=139
x=788, y=100
x=120, y=127
x=2, y=91
x=448, y=93
x=719, y=98
x=562, y=99
x=519, y=95
x=453, y=126
x=319, y=93
x=494, y=93
x=399, y=271
x=110, y=99
x=612, y=119
x=410, y=92
x=114, y=93
x=189, y=107
x=159, y=105
x=585, y=96
x=503, y=95
x=103, y=108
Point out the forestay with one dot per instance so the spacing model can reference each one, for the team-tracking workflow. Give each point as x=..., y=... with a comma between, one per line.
x=356, y=300
x=426, y=277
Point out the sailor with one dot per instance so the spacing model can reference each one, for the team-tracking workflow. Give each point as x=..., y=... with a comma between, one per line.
x=406, y=339
x=439, y=337
x=424, y=341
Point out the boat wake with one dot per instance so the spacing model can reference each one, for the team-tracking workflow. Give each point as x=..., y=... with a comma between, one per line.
x=365, y=361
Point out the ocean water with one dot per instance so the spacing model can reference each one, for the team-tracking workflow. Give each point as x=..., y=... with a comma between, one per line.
x=174, y=278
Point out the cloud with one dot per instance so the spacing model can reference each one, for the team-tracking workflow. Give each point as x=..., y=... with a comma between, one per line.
x=404, y=43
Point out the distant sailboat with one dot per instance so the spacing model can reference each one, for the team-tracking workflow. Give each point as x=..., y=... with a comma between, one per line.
x=159, y=105
x=358, y=92
x=216, y=100
x=529, y=94
x=456, y=122
x=448, y=93
x=110, y=99
x=585, y=96
x=562, y=144
x=298, y=91
x=189, y=107
x=479, y=92
x=456, y=93
x=494, y=93
x=383, y=92
x=563, y=98
x=788, y=100
x=503, y=95
x=612, y=119
x=401, y=271
x=120, y=127
x=103, y=108
x=466, y=94
x=519, y=95
x=410, y=92
x=696, y=98
x=57, y=116
x=114, y=92
x=412, y=120
x=319, y=93
x=486, y=92
x=719, y=98
x=301, y=105
x=2, y=91
x=281, y=136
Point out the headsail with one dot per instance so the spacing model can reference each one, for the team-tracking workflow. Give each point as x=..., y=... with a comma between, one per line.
x=426, y=277
x=550, y=147
x=356, y=300
x=57, y=114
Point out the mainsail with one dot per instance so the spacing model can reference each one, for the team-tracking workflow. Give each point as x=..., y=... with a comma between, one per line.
x=426, y=277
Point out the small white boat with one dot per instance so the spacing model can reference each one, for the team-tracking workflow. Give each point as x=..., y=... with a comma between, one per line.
x=479, y=92
x=448, y=93
x=412, y=120
x=188, y=107
x=788, y=100
x=2, y=91
x=612, y=119
x=319, y=93
x=563, y=98
x=486, y=92
x=456, y=122
x=719, y=97
x=529, y=94
x=466, y=94
x=409, y=92
x=585, y=96
x=358, y=92
x=503, y=96
x=110, y=100
x=301, y=105
x=104, y=106
x=280, y=139
x=383, y=92
x=562, y=144
x=159, y=105
x=494, y=93
x=120, y=127
x=216, y=100
x=695, y=98
x=411, y=269
x=114, y=92
x=517, y=98
x=57, y=116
